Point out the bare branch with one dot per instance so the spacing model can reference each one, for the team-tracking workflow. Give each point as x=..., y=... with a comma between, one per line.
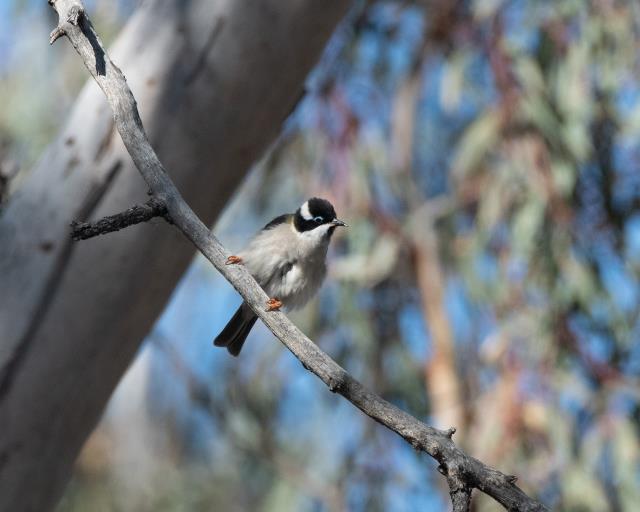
x=134, y=215
x=463, y=472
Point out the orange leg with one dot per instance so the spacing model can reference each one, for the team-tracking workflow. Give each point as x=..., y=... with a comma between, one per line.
x=273, y=305
x=233, y=260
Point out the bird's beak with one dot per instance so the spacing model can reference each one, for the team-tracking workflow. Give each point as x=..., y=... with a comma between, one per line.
x=338, y=222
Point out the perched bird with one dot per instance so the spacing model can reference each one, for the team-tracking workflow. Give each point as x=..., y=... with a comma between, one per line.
x=287, y=259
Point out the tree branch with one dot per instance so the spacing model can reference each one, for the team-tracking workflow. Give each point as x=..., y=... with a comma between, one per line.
x=134, y=215
x=463, y=472
x=460, y=496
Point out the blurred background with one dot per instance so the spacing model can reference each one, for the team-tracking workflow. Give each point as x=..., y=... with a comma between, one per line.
x=485, y=154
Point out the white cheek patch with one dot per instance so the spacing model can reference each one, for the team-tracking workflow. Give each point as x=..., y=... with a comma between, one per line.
x=315, y=235
x=304, y=211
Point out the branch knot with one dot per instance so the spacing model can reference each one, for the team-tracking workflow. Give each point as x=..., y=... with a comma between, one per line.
x=74, y=14
x=70, y=12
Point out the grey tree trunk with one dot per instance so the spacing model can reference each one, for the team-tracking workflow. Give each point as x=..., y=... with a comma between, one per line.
x=214, y=81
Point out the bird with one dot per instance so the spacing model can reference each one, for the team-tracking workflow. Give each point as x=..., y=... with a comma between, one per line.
x=288, y=260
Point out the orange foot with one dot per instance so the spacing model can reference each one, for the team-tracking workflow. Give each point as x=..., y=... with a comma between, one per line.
x=233, y=260
x=273, y=305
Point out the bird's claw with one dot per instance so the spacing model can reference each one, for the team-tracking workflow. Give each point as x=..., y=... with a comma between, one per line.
x=273, y=305
x=233, y=260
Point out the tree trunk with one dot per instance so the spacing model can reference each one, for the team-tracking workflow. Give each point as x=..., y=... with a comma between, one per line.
x=214, y=81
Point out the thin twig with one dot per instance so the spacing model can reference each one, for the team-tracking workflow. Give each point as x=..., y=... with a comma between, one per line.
x=134, y=215
x=462, y=471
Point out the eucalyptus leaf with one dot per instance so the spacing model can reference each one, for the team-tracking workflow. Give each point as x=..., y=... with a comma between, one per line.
x=478, y=139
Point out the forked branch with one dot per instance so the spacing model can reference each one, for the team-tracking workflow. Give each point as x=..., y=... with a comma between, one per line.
x=463, y=472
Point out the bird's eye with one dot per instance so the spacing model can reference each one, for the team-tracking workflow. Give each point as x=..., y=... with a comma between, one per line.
x=318, y=220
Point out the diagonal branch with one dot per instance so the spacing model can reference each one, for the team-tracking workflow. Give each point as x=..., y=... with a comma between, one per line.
x=462, y=471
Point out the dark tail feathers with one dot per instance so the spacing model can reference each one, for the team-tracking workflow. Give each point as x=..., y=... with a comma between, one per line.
x=237, y=330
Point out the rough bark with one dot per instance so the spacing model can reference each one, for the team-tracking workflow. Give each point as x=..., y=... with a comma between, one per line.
x=134, y=215
x=463, y=472
x=215, y=80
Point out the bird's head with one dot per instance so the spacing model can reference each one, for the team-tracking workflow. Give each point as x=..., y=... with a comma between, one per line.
x=316, y=218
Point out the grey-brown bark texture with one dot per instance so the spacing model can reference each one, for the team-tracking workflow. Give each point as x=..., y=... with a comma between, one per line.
x=463, y=473
x=214, y=81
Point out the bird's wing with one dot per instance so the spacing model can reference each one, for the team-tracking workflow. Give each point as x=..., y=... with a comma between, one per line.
x=270, y=250
x=280, y=219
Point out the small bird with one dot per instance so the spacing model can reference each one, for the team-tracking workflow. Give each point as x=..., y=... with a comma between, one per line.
x=287, y=259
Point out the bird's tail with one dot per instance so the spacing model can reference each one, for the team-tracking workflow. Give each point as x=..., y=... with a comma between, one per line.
x=236, y=331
